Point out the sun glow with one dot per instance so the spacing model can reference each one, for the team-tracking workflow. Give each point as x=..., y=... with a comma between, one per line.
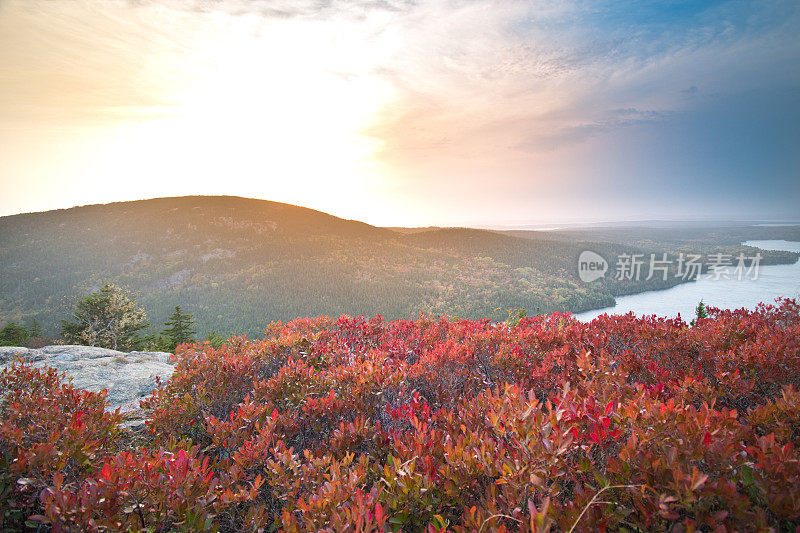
x=267, y=116
x=241, y=105
x=402, y=113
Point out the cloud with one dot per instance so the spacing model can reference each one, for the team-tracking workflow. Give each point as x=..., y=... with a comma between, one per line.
x=514, y=76
x=79, y=62
x=616, y=119
x=305, y=9
x=494, y=95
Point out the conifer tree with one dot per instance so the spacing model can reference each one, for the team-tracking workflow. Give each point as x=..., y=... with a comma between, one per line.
x=34, y=329
x=13, y=335
x=700, y=312
x=179, y=328
x=108, y=318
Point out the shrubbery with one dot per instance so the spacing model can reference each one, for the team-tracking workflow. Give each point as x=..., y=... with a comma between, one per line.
x=638, y=424
x=30, y=336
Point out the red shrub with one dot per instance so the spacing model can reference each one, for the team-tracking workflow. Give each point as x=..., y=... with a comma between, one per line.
x=47, y=427
x=432, y=424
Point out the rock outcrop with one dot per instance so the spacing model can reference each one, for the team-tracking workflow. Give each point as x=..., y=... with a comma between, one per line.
x=128, y=377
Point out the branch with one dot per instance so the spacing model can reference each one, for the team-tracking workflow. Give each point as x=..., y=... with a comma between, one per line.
x=594, y=500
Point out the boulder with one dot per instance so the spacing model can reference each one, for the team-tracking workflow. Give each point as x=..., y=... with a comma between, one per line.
x=128, y=377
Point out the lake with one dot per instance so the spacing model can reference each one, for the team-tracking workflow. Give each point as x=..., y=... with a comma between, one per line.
x=773, y=281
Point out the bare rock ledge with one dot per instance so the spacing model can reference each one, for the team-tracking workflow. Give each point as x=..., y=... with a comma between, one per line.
x=128, y=377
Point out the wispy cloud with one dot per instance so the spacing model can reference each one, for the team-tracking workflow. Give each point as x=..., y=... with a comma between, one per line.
x=561, y=74
x=492, y=94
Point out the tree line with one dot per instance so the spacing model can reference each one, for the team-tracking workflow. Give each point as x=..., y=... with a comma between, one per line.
x=111, y=318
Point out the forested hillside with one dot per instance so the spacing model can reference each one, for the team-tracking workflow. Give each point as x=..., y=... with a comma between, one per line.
x=238, y=263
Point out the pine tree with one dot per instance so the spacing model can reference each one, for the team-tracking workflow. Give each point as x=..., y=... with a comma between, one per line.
x=13, y=335
x=700, y=313
x=179, y=328
x=34, y=328
x=108, y=318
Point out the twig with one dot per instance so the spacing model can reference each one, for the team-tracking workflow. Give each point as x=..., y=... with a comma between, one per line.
x=594, y=498
x=499, y=515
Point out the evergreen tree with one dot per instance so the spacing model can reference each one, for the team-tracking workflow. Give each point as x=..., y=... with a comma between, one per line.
x=109, y=318
x=179, y=328
x=34, y=328
x=700, y=312
x=13, y=335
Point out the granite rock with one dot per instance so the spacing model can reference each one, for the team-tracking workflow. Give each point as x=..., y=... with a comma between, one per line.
x=128, y=377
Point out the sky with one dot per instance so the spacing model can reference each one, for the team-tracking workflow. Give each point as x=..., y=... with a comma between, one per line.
x=412, y=113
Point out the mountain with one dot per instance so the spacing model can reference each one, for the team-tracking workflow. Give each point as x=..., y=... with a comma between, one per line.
x=237, y=264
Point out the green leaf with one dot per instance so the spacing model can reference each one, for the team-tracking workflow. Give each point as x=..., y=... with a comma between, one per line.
x=747, y=475
x=601, y=479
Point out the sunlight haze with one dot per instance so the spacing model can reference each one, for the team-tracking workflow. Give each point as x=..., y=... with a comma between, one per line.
x=404, y=113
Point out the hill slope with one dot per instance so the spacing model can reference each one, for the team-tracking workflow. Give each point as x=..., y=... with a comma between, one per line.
x=238, y=263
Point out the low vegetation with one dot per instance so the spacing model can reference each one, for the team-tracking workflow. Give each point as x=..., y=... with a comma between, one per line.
x=538, y=424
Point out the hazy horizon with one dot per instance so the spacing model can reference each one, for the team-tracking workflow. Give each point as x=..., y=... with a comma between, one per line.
x=401, y=113
x=533, y=226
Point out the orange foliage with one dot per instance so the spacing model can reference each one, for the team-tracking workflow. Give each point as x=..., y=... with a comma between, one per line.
x=431, y=425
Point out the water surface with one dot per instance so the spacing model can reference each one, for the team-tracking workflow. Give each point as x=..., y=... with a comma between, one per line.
x=773, y=281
